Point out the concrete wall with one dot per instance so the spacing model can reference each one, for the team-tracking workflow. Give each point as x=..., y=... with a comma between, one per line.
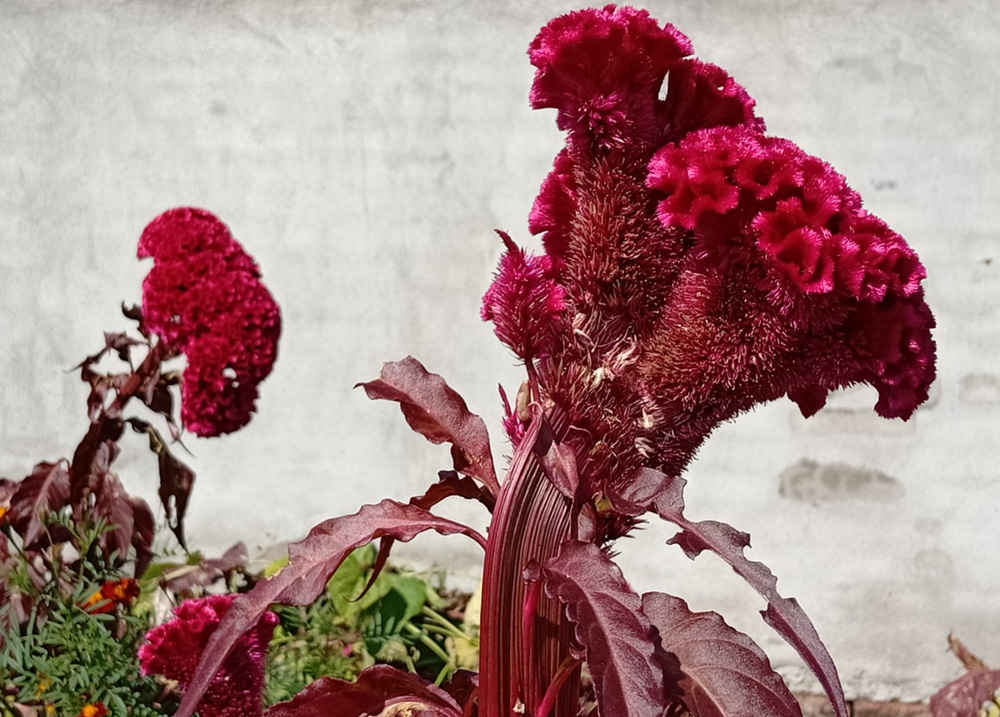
x=364, y=151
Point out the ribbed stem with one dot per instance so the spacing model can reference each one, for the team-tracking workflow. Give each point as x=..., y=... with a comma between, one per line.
x=530, y=521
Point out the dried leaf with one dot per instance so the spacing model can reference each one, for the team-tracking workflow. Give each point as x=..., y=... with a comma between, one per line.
x=143, y=533
x=176, y=482
x=725, y=672
x=114, y=505
x=611, y=627
x=967, y=658
x=311, y=562
x=434, y=410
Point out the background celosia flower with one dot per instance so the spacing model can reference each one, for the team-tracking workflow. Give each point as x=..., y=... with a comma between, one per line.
x=704, y=266
x=204, y=297
x=174, y=648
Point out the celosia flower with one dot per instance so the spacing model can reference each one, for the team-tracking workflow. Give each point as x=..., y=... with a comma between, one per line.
x=112, y=592
x=174, y=648
x=204, y=297
x=701, y=266
x=94, y=709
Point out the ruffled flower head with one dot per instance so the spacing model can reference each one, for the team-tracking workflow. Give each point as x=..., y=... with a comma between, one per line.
x=204, y=297
x=174, y=648
x=704, y=266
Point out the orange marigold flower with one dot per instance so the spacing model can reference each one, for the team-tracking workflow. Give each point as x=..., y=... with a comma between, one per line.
x=94, y=709
x=112, y=592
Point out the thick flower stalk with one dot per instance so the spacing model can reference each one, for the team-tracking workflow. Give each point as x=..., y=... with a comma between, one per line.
x=204, y=298
x=174, y=648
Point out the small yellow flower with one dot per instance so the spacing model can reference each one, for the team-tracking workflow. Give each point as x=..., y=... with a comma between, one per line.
x=44, y=683
x=95, y=709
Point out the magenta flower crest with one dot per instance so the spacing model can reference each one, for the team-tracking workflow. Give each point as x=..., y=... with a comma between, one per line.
x=204, y=298
x=174, y=648
x=703, y=266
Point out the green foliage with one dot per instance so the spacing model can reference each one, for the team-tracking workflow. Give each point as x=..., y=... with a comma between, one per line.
x=400, y=619
x=73, y=657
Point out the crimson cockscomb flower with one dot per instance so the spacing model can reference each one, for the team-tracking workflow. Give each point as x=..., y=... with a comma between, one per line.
x=204, y=298
x=173, y=649
x=694, y=267
x=704, y=266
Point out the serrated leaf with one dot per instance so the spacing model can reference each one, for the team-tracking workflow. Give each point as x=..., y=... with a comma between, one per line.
x=46, y=490
x=434, y=410
x=311, y=563
x=611, y=627
x=379, y=691
x=784, y=615
x=724, y=672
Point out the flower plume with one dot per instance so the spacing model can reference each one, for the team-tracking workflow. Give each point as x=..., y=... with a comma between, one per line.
x=701, y=266
x=204, y=298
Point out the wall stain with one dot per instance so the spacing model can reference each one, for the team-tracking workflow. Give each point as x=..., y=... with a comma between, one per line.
x=979, y=388
x=814, y=482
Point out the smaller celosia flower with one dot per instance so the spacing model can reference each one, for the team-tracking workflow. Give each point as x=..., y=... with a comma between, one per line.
x=524, y=302
x=94, y=709
x=174, y=648
x=112, y=592
x=204, y=297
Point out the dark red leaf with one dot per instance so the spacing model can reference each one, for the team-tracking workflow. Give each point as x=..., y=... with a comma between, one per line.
x=725, y=672
x=176, y=481
x=558, y=460
x=784, y=615
x=449, y=484
x=611, y=627
x=44, y=491
x=380, y=690
x=964, y=696
x=207, y=571
x=115, y=507
x=143, y=533
x=437, y=412
x=311, y=563
x=93, y=457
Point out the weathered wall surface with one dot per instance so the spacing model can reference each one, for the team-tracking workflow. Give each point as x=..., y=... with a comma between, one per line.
x=364, y=151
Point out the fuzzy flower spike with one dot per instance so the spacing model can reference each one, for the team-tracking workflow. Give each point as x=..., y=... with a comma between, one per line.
x=204, y=298
x=701, y=266
x=173, y=649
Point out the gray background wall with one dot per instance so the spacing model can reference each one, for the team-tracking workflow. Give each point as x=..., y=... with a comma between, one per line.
x=364, y=151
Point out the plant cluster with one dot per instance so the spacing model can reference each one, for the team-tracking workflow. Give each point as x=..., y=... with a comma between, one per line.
x=694, y=267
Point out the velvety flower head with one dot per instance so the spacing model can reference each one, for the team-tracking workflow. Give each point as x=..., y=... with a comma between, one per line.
x=204, y=297
x=174, y=648
x=524, y=303
x=704, y=266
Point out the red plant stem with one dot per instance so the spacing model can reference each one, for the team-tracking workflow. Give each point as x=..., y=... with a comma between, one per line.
x=530, y=521
x=529, y=619
x=569, y=666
